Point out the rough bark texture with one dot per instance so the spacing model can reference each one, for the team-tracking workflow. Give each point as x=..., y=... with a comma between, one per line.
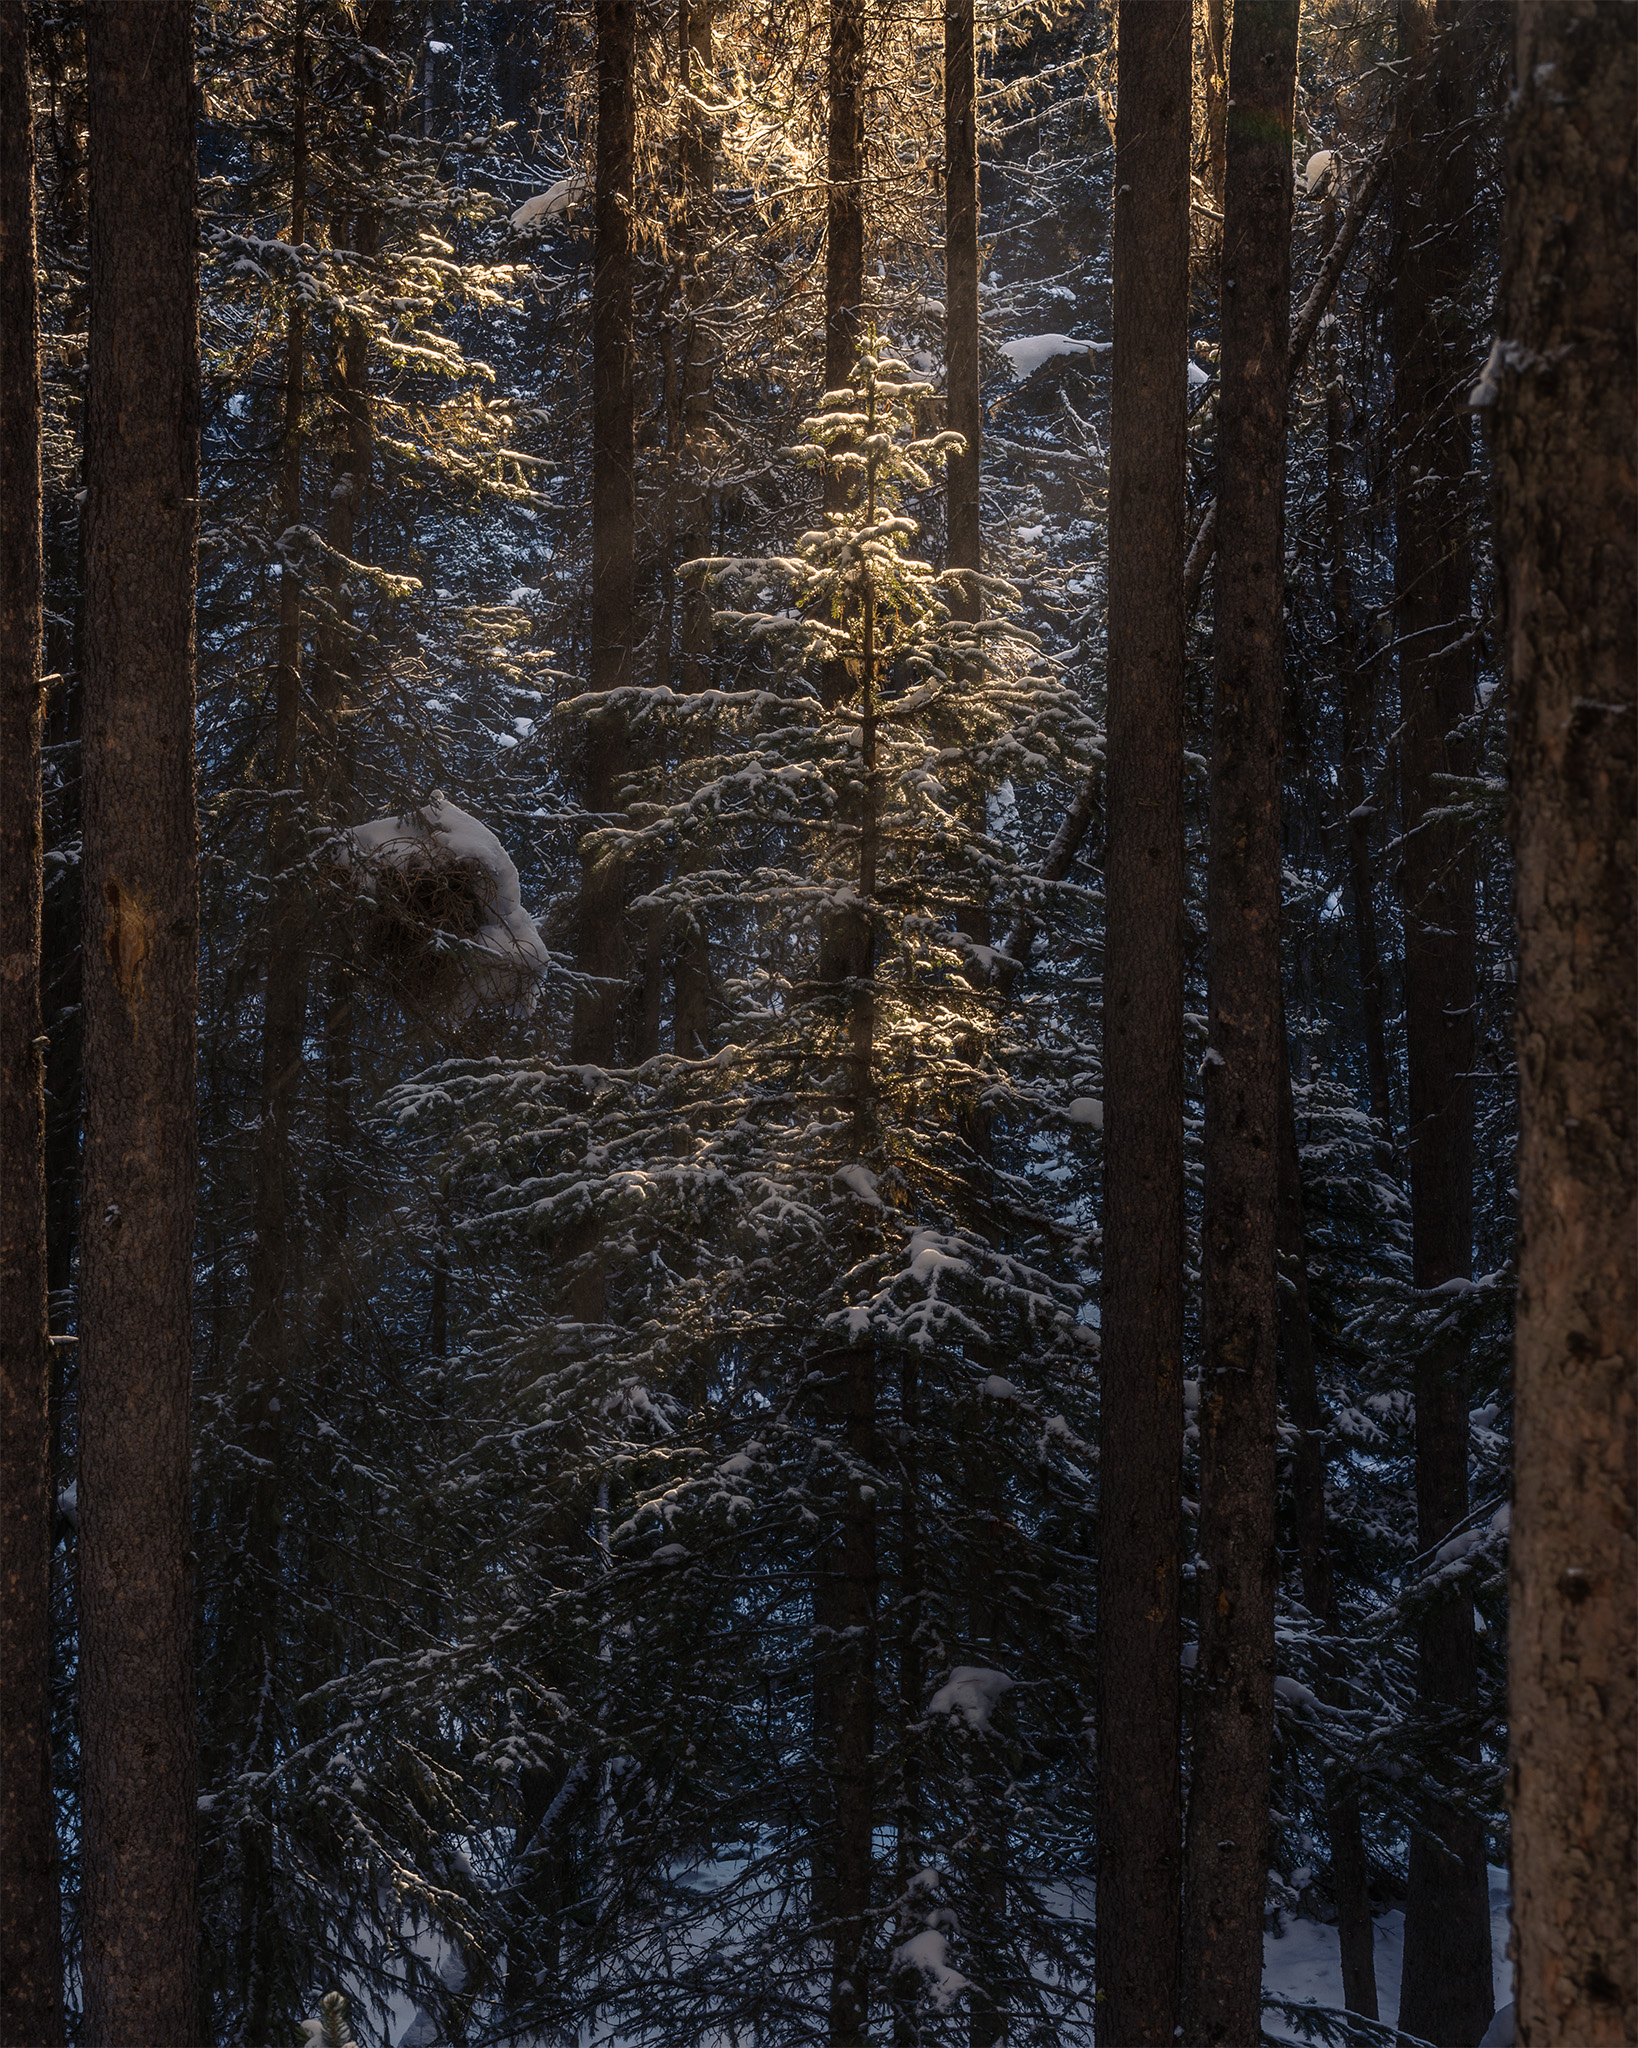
x=963, y=414
x=141, y=908
x=1350, y=1871
x=1140, y=1819
x=1568, y=395
x=1446, y=1989
x=30, y=1949
x=1228, y=1812
x=614, y=521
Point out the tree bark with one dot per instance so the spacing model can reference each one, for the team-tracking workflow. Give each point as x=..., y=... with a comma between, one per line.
x=1354, y=696
x=1228, y=1812
x=602, y=950
x=1139, y=1705
x=1568, y=394
x=963, y=414
x=1350, y=1871
x=1446, y=1991
x=692, y=989
x=846, y=74
x=284, y=1005
x=141, y=900
x=31, y=1951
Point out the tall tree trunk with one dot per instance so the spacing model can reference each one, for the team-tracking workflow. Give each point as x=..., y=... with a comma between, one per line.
x=1140, y=1792
x=963, y=414
x=1228, y=1810
x=1446, y=1992
x=852, y=1569
x=1354, y=694
x=31, y=1953
x=141, y=902
x=1350, y=1871
x=614, y=521
x=1568, y=394
x=846, y=74
x=284, y=1005
x=692, y=992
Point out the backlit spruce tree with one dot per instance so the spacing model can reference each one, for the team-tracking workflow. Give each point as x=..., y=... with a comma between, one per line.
x=829, y=1432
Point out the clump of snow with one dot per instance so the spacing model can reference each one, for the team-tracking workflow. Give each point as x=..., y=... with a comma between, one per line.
x=1087, y=1109
x=863, y=1183
x=1502, y=2031
x=1321, y=165
x=1502, y=1520
x=556, y=202
x=929, y=1952
x=972, y=1691
x=1030, y=351
x=1294, y=1692
x=1458, y=1546
x=503, y=959
x=1197, y=376
x=931, y=1260
x=995, y=1388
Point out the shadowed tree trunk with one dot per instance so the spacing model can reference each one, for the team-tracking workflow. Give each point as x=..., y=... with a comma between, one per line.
x=601, y=951
x=284, y=1004
x=963, y=414
x=1350, y=1871
x=1228, y=1810
x=141, y=909
x=1446, y=1991
x=1354, y=697
x=1141, y=1460
x=691, y=1001
x=30, y=1952
x=1566, y=390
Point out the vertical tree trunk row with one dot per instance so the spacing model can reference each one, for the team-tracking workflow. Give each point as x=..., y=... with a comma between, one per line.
x=1567, y=398
x=1228, y=1811
x=1446, y=1991
x=142, y=926
x=30, y=1951
x=1141, y=1460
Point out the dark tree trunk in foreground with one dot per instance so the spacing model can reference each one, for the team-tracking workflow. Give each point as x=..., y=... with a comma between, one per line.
x=1446, y=1992
x=1140, y=1828
x=141, y=910
x=30, y=1946
x=614, y=522
x=1228, y=1811
x=1350, y=1871
x=963, y=414
x=1568, y=395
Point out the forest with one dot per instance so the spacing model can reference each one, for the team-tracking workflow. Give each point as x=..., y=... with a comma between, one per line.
x=819, y=1213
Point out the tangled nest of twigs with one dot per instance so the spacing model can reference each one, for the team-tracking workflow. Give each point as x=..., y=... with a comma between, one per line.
x=413, y=912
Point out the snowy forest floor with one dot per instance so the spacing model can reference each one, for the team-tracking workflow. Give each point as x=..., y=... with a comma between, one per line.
x=1302, y=1964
